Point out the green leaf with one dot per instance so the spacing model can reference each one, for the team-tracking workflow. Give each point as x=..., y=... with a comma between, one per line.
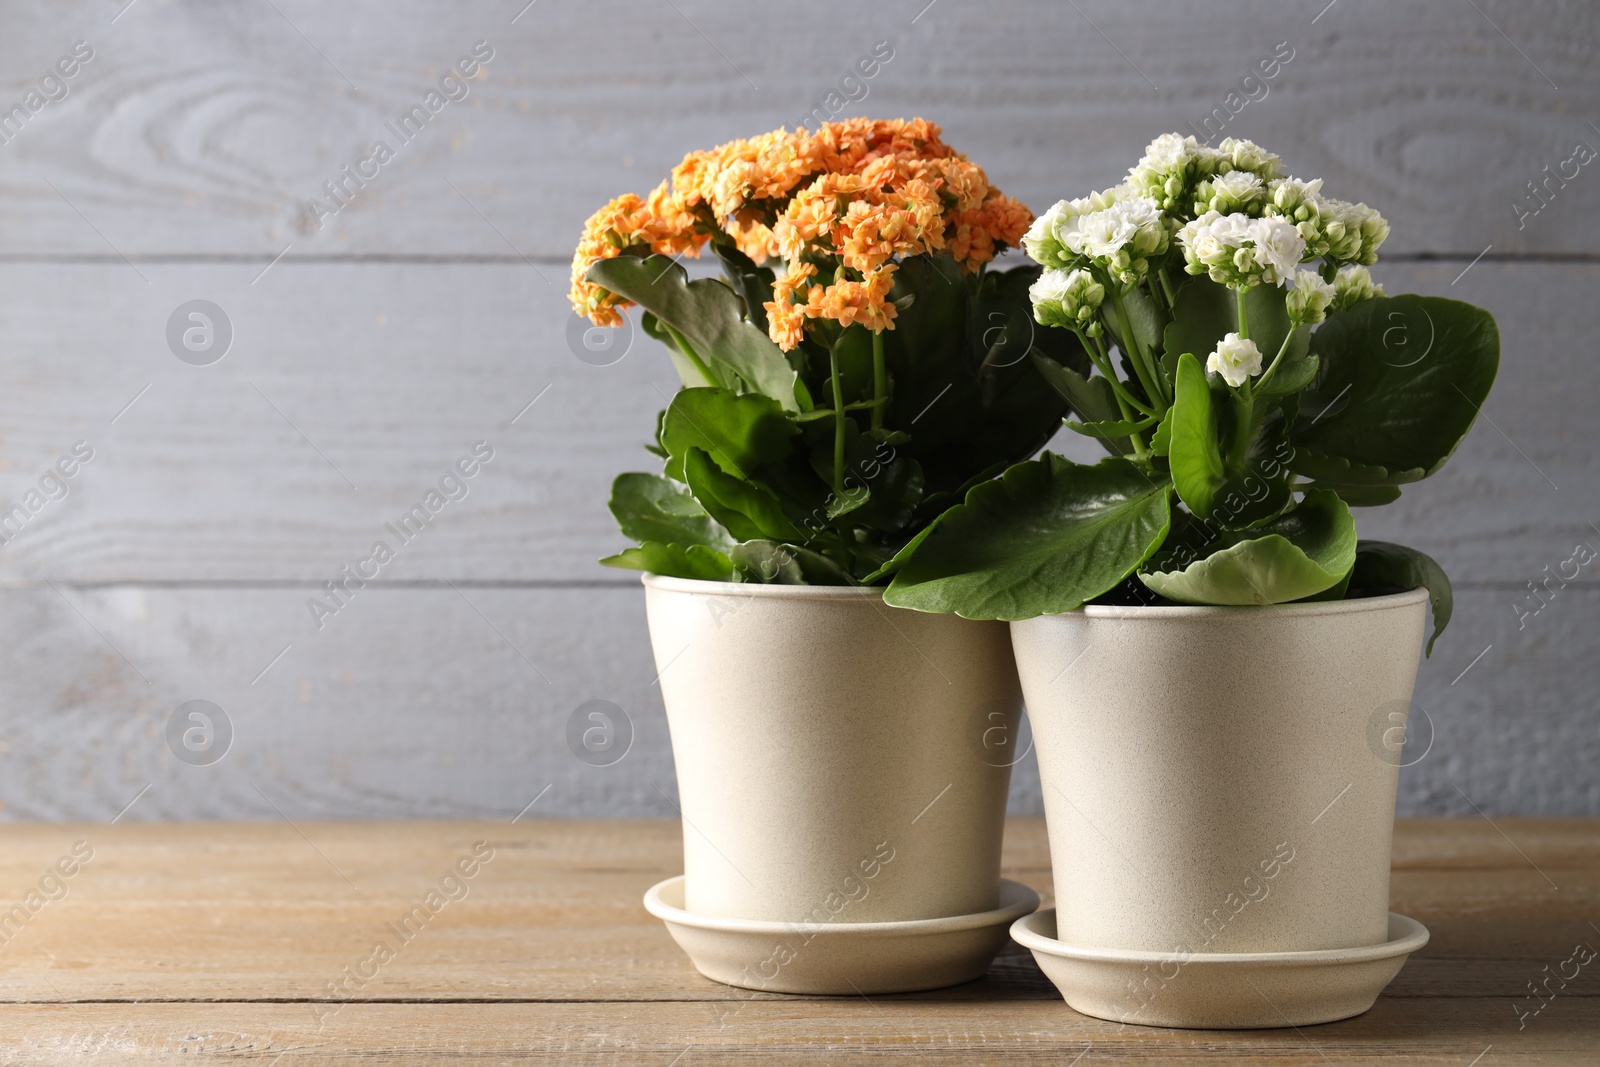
x=1049, y=535
x=1146, y=317
x=1202, y=312
x=741, y=431
x=1092, y=398
x=1362, y=496
x=772, y=563
x=1298, y=369
x=674, y=561
x=1197, y=471
x=1384, y=567
x=1205, y=311
x=690, y=373
x=750, y=512
x=649, y=507
x=895, y=484
x=1110, y=431
x=1400, y=382
x=751, y=281
x=1258, y=488
x=709, y=314
x=963, y=386
x=1307, y=550
x=892, y=565
x=1161, y=440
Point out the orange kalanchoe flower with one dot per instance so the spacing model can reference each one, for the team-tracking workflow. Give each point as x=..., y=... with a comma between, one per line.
x=851, y=196
x=848, y=302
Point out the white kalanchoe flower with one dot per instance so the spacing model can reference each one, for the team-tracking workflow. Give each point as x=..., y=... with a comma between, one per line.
x=1239, y=154
x=1069, y=299
x=1239, y=251
x=1352, y=286
x=1099, y=235
x=1352, y=232
x=1045, y=241
x=1040, y=242
x=1168, y=152
x=1278, y=248
x=1308, y=299
x=1121, y=238
x=1166, y=169
x=1294, y=199
x=1235, y=191
x=1237, y=359
x=1209, y=243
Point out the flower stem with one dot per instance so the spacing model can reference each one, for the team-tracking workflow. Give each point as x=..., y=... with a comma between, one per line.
x=690, y=354
x=1166, y=287
x=1243, y=428
x=838, y=423
x=1125, y=403
x=880, y=381
x=1261, y=382
x=1244, y=321
x=1143, y=366
x=1102, y=359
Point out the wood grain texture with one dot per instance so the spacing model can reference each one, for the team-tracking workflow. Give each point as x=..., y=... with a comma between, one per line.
x=219, y=940
x=204, y=129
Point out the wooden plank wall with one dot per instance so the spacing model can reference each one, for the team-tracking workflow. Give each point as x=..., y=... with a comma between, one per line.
x=372, y=347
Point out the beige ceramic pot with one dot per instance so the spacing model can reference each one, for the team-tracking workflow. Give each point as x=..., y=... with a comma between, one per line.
x=838, y=760
x=1220, y=780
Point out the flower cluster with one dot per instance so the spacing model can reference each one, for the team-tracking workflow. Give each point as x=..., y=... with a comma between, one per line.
x=1352, y=285
x=1308, y=302
x=1239, y=251
x=838, y=204
x=1113, y=231
x=1227, y=212
x=1068, y=298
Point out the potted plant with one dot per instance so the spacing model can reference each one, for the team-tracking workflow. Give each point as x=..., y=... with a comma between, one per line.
x=853, y=374
x=1212, y=662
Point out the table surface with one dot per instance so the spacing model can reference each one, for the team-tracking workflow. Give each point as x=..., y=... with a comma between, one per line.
x=171, y=942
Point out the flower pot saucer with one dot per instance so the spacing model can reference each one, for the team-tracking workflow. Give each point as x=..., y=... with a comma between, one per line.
x=1219, y=991
x=840, y=958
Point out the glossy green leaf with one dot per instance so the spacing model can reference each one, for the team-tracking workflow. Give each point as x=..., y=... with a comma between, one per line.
x=674, y=561
x=1205, y=311
x=1161, y=440
x=740, y=431
x=1092, y=398
x=963, y=385
x=1400, y=383
x=1298, y=369
x=649, y=507
x=1258, y=488
x=747, y=510
x=1298, y=555
x=1362, y=496
x=1197, y=470
x=693, y=375
x=1384, y=567
x=1146, y=317
x=772, y=563
x=750, y=280
x=1047, y=536
x=1110, y=431
x=709, y=314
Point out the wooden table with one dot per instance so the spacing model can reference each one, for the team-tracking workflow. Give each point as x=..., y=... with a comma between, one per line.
x=174, y=942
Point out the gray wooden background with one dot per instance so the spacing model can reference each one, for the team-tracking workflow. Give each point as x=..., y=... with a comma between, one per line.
x=370, y=353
